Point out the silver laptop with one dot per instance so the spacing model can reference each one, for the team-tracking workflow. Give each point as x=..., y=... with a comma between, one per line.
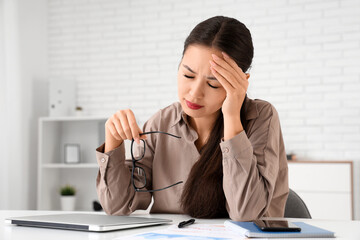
x=86, y=222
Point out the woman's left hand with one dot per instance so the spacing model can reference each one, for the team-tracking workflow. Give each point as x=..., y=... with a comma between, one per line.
x=234, y=81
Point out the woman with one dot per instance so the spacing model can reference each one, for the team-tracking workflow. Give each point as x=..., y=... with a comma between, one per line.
x=229, y=159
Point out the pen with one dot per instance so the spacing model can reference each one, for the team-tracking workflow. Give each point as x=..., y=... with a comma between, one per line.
x=186, y=223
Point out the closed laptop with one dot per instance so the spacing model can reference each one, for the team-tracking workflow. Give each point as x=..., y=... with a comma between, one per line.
x=86, y=222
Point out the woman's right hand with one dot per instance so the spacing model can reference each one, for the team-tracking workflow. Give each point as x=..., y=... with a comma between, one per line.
x=120, y=126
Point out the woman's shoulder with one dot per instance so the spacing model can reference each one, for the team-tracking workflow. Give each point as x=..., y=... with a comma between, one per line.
x=168, y=115
x=261, y=108
x=264, y=105
x=174, y=107
x=169, y=112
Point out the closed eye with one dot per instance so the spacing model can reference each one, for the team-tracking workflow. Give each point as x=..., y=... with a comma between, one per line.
x=192, y=77
x=187, y=76
x=212, y=86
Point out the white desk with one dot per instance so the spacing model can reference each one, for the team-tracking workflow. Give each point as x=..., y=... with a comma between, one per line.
x=343, y=229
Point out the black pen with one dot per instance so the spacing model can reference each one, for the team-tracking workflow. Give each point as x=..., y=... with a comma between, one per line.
x=186, y=223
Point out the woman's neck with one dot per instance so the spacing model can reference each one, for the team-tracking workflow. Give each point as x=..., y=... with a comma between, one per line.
x=203, y=126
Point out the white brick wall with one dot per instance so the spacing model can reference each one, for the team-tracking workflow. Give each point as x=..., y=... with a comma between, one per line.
x=124, y=54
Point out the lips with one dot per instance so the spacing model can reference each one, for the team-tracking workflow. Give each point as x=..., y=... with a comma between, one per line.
x=193, y=106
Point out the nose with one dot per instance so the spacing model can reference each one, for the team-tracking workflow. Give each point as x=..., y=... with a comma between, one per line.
x=197, y=89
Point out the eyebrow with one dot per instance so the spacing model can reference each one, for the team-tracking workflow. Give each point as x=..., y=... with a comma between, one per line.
x=188, y=68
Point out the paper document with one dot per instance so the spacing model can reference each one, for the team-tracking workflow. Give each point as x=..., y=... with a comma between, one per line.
x=192, y=232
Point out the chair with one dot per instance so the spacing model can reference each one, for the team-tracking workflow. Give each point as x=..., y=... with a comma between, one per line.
x=295, y=207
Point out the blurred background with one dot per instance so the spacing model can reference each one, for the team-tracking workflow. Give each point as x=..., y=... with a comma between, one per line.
x=115, y=54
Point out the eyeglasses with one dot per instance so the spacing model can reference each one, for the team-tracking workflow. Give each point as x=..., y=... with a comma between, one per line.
x=139, y=173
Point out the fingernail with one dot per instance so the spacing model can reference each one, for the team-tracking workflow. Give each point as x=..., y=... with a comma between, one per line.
x=225, y=55
x=212, y=63
x=214, y=56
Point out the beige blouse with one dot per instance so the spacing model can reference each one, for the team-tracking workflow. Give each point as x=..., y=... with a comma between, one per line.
x=255, y=172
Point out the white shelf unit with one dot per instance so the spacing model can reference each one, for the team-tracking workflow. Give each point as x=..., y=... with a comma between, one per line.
x=53, y=172
x=325, y=186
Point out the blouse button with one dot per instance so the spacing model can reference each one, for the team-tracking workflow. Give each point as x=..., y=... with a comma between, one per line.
x=226, y=150
x=103, y=160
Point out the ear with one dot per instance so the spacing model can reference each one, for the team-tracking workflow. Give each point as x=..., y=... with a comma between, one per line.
x=247, y=76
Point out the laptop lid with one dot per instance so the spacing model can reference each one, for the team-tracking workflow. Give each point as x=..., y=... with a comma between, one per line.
x=86, y=222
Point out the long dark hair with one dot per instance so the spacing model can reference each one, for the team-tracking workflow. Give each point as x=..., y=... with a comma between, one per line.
x=203, y=195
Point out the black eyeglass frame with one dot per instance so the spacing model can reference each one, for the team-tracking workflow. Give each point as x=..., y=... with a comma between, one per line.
x=134, y=160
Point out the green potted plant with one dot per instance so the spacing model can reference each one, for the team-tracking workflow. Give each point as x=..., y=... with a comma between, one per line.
x=67, y=193
x=78, y=111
